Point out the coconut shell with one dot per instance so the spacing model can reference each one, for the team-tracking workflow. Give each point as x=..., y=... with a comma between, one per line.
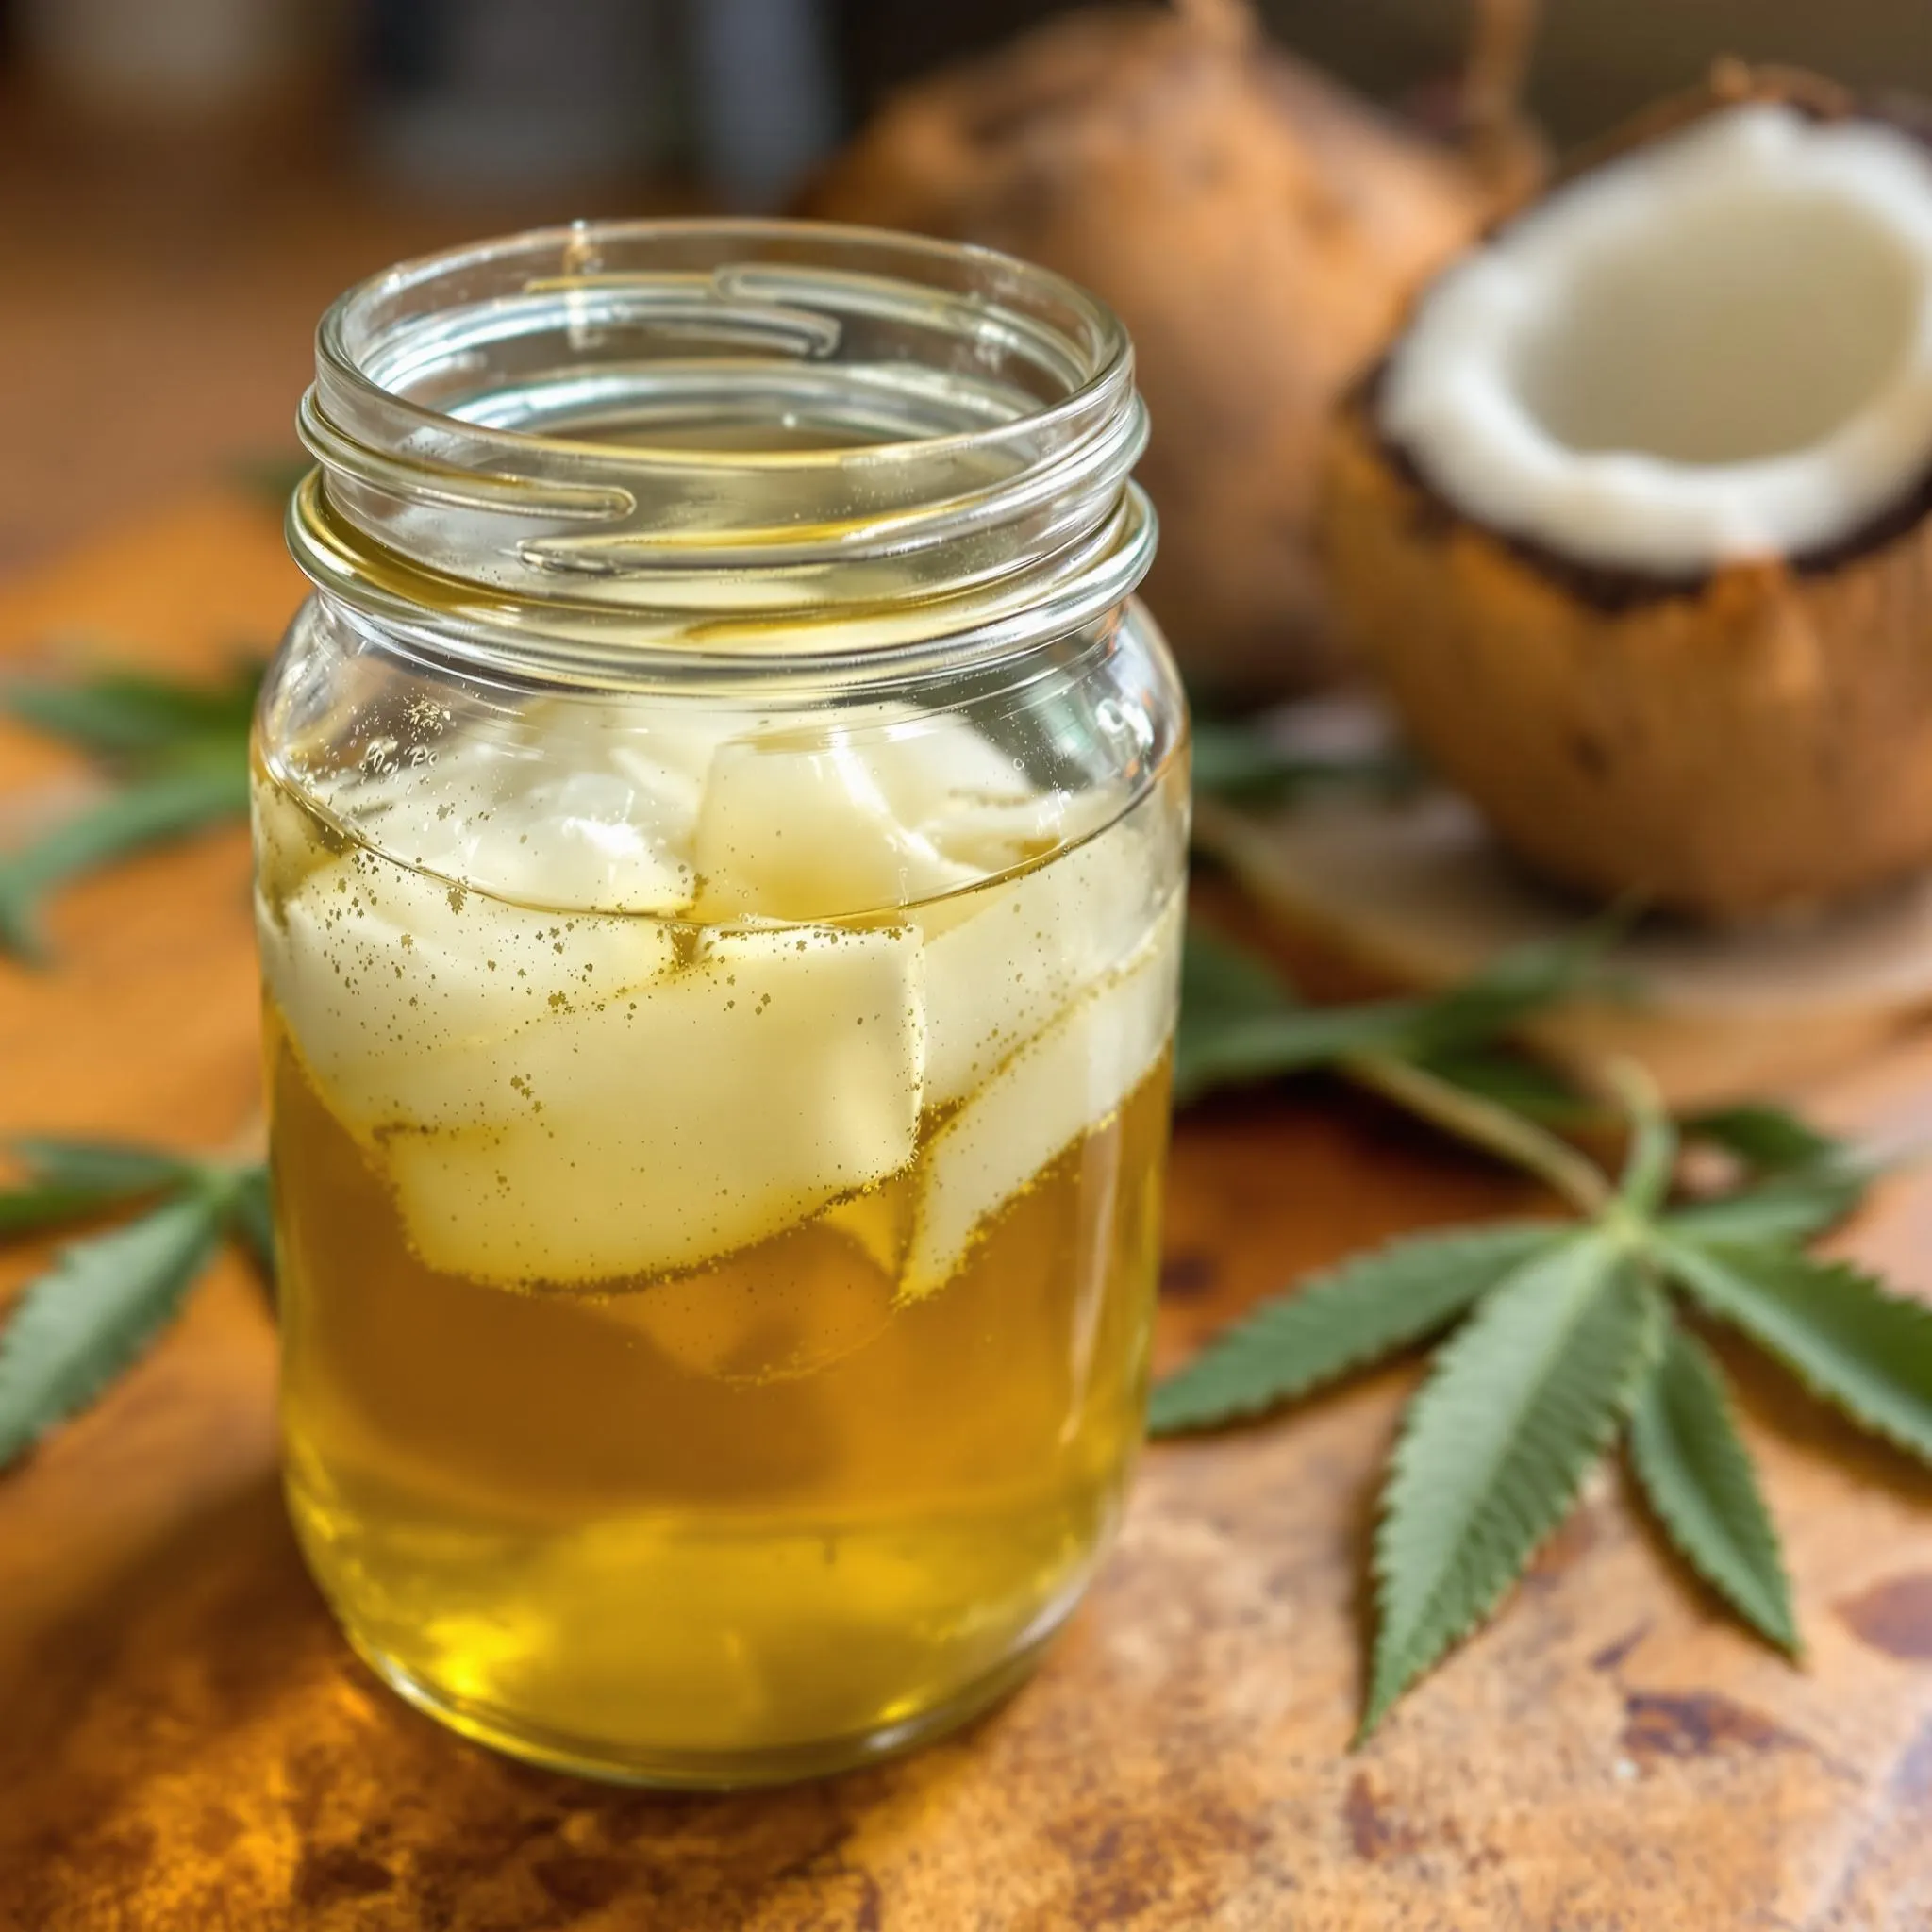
x=1761, y=742
x=1257, y=229
x=1754, y=742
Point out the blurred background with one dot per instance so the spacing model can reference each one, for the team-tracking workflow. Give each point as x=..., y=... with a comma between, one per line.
x=184, y=184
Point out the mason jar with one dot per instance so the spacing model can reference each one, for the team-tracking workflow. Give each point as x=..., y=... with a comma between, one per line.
x=720, y=824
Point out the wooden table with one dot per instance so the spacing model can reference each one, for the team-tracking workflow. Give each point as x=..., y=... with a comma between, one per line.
x=161, y=282
x=185, y=1744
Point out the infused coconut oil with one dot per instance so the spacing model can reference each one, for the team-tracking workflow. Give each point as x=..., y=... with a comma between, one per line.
x=720, y=827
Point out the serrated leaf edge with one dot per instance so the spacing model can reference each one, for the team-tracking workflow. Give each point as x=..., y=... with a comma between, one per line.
x=1773, y=1618
x=148, y=811
x=202, y=1212
x=1393, y=1672
x=1728, y=1307
x=1346, y=1278
x=1826, y=1196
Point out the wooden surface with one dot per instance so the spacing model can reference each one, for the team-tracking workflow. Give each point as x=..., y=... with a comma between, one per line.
x=185, y=1744
x=159, y=288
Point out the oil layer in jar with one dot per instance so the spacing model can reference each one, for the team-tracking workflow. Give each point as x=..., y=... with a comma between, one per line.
x=715, y=1327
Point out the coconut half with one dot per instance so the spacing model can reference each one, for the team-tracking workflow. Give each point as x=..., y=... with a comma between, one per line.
x=1632, y=518
x=1255, y=228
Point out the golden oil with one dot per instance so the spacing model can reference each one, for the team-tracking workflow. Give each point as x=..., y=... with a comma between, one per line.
x=768, y=1512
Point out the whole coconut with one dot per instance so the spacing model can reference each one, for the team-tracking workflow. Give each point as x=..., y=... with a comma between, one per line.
x=1257, y=229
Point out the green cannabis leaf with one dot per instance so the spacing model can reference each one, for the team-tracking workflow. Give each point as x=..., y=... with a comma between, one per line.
x=104, y=1301
x=179, y=757
x=1343, y=1320
x=71, y=1181
x=1697, y=1477
x=1223, y=1046
x=1238, y=759
x=1510, y=1080
x=1653, y=1156
x=1496, y=1445
x=1516, y=983
x=252, y=1220
x=1768, y=1139
x=1866, y=1350
x=271, y=480
x=122, y=1168
x=1795, y=1205
x=1241, y=1022
x=1573, y=1331
x=130, y=714
x=76, y=1326
x=147, y=811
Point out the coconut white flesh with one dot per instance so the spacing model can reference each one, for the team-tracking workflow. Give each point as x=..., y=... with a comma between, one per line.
x=1065, y=1082
x=1714, y=348
x=706, y=1110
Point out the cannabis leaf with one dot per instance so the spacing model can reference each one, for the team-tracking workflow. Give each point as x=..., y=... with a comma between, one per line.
x=178, y=754
x=115, y=1167
x=1512, y=1080
x=75, y=1327
x=80, y=1326
x=1768, y=1139
x=1243, y=1020
x=253, y=1222
x=1518, y=982
x=1864, y=1350
x=1239, y=1022
x=1343, y=1320
x=131, y=714
x=147, y=812
x=1696, y=1476
x=70, y=1180
x=1239, y=759
x=1796, y=1206
x=1572, y=1330
x=1652, y=1160
x=273, y=480
x=1496, y=1445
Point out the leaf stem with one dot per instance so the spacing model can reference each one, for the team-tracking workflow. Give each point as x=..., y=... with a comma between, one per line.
x=1482, y=1124
x=1651, y=1162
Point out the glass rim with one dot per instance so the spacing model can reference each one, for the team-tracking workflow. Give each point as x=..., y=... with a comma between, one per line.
x=1112, y=361
x=445, y=480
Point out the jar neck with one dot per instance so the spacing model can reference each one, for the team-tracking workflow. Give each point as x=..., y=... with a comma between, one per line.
x=723, y=439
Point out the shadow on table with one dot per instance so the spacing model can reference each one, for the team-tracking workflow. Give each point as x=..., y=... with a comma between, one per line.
x=199, y=1748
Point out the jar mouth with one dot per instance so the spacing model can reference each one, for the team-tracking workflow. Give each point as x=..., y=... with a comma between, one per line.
x=722, y=436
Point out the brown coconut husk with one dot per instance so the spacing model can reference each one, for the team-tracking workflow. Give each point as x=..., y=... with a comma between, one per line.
x=1257, y=229
x=1751, y=743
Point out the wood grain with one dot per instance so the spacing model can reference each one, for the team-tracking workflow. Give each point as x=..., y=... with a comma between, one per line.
x=185, y=1744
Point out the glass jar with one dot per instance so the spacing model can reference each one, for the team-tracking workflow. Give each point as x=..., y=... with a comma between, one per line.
x=719, y=825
